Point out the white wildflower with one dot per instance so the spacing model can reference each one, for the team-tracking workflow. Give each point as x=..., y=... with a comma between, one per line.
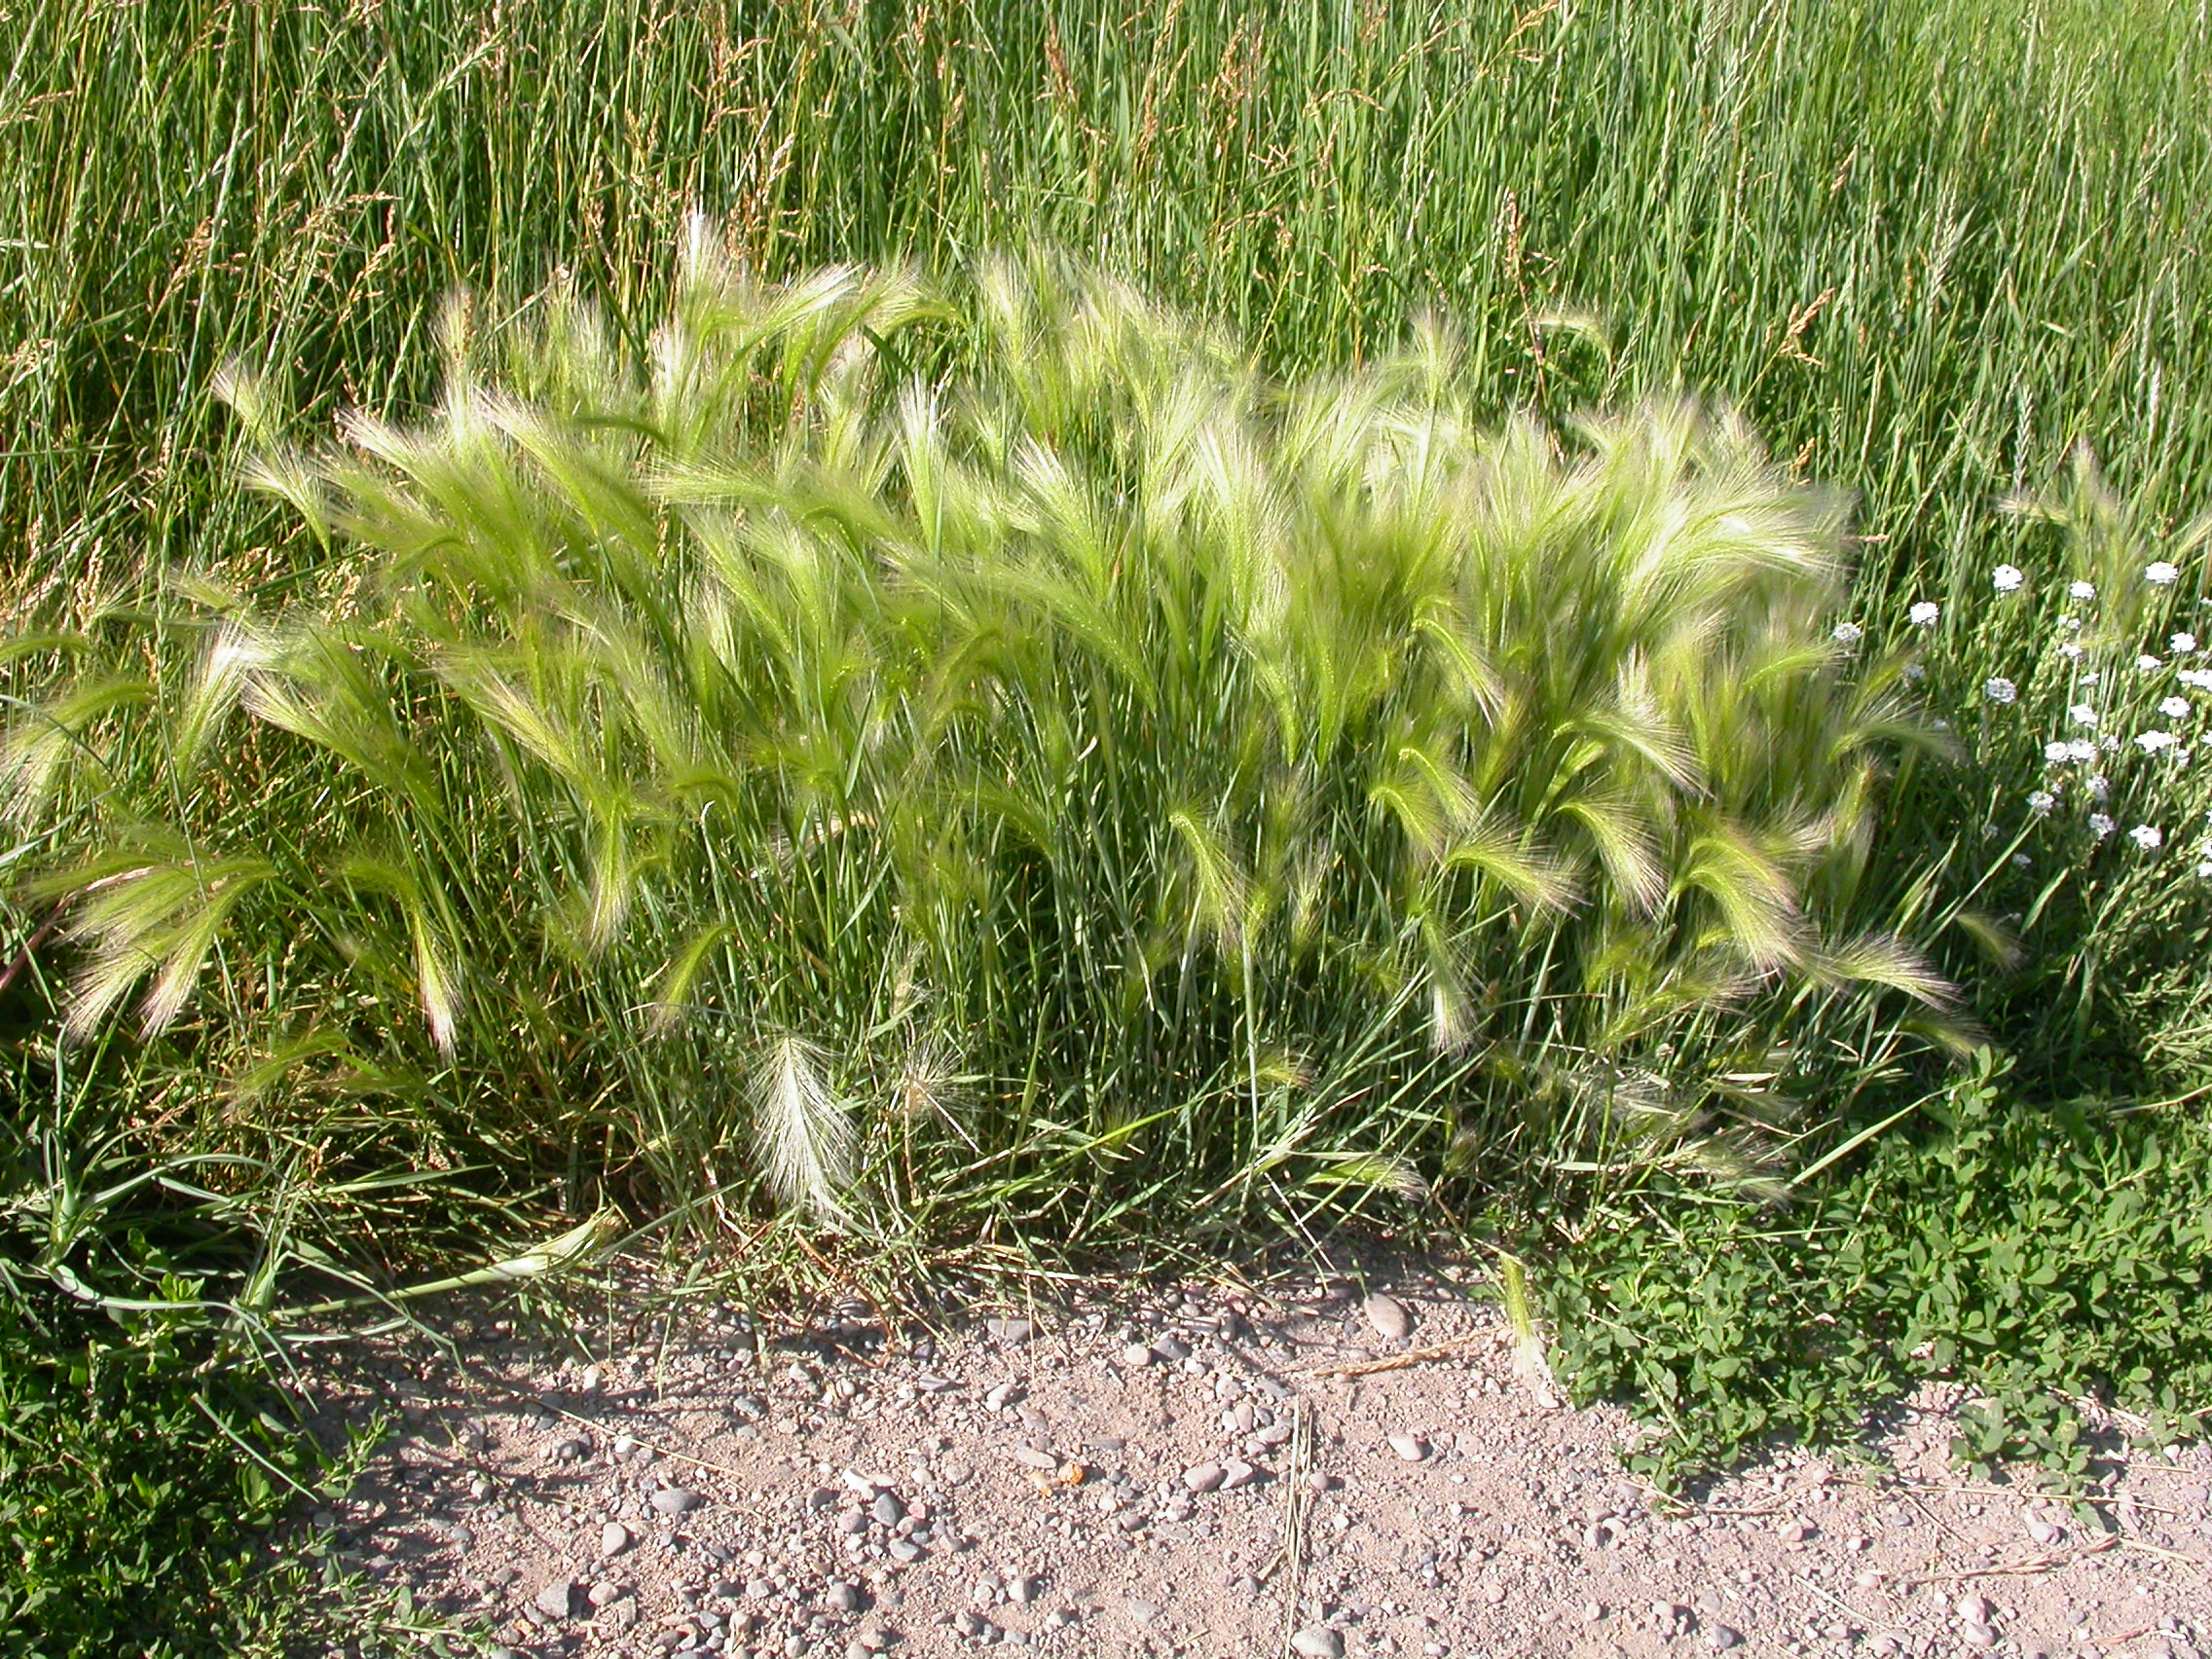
x=2055, y=752
x=2070, y=624
x=2175, y=708
x=2100, y=825
x=2041, y=801
x=2080, y=749
x=2147, y=662
x=2021, y=860
x=1915, y=672
x=2097, y=787
x=2091, y=677
x=1925, y=613
x=2181, y=644
x=2001, y=691
x=2160, y=574
x=2200, y=677
x=2071, y=651
x=2151, y=742
x=2204, y=870
x=2006, y=578
x=2082, y=715
x=1848, y=632
x=2148, y=837
x=2082, y=590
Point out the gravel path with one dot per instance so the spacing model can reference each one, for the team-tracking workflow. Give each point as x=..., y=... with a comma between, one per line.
x=1311, y=1471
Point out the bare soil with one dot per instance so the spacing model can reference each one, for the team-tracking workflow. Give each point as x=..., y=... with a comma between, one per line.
x=1207, y=1472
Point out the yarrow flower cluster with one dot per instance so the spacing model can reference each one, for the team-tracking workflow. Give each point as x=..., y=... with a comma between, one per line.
x=1925, y=613
x=2198, y=678
x=2001, y=691
x=2160, y=574
x=2100, y=825
x=2147, y=662
x=2082, y=590
x=2082, y=715
x=1849, y=633
x=2041, y=801
x=2152, y=742
x=2006, y=578
x=2175, y=708
x=2148, y=837
x=2181, y=644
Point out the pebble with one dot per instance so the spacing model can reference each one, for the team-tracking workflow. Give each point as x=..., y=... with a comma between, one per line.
x=1033, y=1458
x=1010, y=1331
x=1389, y=1316
x=1319, y=1641
x=1977, y=1636
x=843, y=1596
x=613, y=1538
x=1137, y=1357
x=887, y=1509
x=674, y=1500
x=1411, y=1447
x=1204, y=1477
x=1721, y=1638
x=558, y=1599
x=1973, y=1609
x=1238, y=1473
x=1141, y=1612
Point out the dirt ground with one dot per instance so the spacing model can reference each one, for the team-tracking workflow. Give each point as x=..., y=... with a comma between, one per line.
x=1322, y=1468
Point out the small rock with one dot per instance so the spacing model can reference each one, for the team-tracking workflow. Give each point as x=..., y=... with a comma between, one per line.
x=1797, y=1533
x=2043, y=1532
x=1973, y=1609
x=1010, y=1331
x=843, y=1596
x=1238, y=1473
x=1204, y=1477
x=674, y=1500
x=1411, y=1447
x=1721, y=1638
x=1141, y=1612
x=1034, y=1457
x=1319, y=1641
x=904, y=1551
x=1389, y=1316
x=558, y=1599
x=1003, y=1396
x=887, y=1509
x=613, y=1538
x=1977, y=1636
x=1137, y=1357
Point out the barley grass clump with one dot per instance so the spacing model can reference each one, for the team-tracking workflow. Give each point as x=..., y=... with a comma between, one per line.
x=899, y=759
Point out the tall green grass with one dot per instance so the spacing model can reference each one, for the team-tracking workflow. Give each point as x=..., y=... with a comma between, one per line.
x=1926, y=250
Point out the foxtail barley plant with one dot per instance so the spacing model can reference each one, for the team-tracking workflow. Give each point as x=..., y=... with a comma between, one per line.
x=772, y=771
